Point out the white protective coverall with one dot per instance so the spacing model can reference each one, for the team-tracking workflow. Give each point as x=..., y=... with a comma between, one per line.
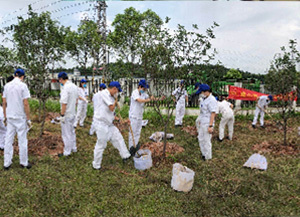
x=2, y=129
x=81, y=107
x=69, y=95
x=208, y=105
x=106, y=131
x=263, y=102
x=96, y=99
x=227, y=119
x=180, y=95
x=136, y=116
x=14, y=93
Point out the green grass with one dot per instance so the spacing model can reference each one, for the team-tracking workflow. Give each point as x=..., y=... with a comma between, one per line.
x=222, y=187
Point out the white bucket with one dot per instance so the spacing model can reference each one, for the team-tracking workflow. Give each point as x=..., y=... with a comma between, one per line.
x=183, y=178
x=142, y=159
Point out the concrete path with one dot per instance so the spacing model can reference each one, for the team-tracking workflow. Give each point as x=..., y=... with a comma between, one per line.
x=195, y=112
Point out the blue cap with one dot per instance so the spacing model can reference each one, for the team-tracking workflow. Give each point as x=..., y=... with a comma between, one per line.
x=270, y=97
x=143, y=83
x=62, y=75
x=103, y=86
x=83, y=81
x=203, y=87
x=20, y=72
x=197, y=85
x=217, y=98
x=181, y=82
x=115, y=84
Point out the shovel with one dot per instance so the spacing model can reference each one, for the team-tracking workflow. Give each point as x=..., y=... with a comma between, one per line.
x=278, y=123
x=135, y=147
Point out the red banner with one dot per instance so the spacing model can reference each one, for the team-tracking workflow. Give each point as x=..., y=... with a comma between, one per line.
x=239, y=93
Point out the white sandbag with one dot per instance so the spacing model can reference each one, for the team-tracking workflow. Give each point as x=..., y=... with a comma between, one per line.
x=144, y=123
x=158, y=136
x=257, y=161
x=142, y=159
x=182, y=178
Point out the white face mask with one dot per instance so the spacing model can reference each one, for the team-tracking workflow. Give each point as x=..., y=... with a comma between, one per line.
x=115, y=95
x=202, y=95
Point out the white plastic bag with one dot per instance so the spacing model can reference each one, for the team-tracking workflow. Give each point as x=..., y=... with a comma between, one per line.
x=257, y=161
x=142, y=159
x=182, y=178
x=158, y=136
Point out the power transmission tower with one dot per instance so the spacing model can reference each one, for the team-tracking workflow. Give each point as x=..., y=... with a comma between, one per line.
x=101, y=59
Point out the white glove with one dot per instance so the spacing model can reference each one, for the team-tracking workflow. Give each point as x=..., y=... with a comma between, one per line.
x=29, y=125
x=62, y=119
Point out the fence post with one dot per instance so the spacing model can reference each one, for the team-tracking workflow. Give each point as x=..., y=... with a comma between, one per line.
x=238, y=102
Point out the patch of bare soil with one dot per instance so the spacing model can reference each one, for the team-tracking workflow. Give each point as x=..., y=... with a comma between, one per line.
x=48, y=143
x=277, y=148
x=192, y=130
x=275, y=126
x=156, y=148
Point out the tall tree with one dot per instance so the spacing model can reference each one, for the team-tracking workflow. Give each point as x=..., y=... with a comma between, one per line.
x=233, y=74
x=282, y=78
x=8, y=61
x=37, y=42
x=133, y=31
x=166, y=58
x=84, y=45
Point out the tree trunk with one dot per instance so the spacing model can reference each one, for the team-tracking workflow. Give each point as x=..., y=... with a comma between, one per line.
x=44, y=118
x=40, y=110
x=284, y=130
x=165, y=138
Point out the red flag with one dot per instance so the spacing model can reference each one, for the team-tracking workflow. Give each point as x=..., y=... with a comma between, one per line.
x=239, y=93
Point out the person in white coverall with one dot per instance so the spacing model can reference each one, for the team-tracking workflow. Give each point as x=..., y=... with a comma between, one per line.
x=181, y=98
x=82, y=103
x=96, y=99
x=17, y=116
x=105, y=129
x=137, y=101
x=2, y=125
x=2, y=129
x=225, y=109
x=208, y=111
x=68, y=97
x=261, y=105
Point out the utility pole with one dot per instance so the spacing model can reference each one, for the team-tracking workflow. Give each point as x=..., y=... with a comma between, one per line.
x=101, y=23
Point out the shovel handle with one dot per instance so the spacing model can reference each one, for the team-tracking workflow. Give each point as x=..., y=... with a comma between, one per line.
x=130, y=128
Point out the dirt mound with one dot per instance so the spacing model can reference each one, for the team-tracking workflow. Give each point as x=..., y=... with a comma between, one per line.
x=156, y=148
x=49, y=143
x=277, y=149
x=275, y=126
x=192, y=130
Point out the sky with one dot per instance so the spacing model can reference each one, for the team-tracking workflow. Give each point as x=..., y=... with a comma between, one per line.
x=249, y=35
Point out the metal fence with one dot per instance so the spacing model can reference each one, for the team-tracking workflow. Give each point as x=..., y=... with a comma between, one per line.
x=158, y=87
